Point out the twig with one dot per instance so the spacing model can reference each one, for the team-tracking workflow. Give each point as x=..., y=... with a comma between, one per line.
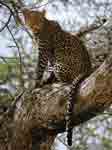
x=1, y=2
x=16, y=15
x=11, y=14
x=20, y=57
x=6, y=23
x=26, y=30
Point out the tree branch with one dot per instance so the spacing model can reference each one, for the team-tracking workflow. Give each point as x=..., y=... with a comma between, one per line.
x=88, y=29
x=40, y=113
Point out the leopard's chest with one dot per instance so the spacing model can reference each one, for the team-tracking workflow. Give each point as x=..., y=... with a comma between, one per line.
x=67, y=63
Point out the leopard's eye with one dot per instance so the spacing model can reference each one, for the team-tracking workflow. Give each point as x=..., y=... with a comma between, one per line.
x=36, y=29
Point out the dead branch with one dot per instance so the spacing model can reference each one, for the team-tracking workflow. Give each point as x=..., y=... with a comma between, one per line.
x=90, y=28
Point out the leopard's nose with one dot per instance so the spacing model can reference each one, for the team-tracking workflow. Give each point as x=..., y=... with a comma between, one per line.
x=36, y=29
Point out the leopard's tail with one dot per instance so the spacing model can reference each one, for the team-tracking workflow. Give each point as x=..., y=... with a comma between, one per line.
x=70, y=105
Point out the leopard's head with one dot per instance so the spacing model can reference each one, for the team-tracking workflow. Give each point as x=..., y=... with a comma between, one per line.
x=34, y=20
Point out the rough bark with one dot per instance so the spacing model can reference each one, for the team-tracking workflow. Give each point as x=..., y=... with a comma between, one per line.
x=40, y=114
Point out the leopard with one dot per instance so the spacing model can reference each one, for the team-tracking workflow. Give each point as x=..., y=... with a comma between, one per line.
x=66, y=53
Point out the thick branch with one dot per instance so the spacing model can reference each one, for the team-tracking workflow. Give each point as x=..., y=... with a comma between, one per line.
x=94, y=95
x=40, y=113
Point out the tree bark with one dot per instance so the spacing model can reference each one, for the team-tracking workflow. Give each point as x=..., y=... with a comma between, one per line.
x=40, y=114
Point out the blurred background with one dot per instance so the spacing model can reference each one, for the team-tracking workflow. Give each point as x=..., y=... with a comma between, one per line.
x=18, y=58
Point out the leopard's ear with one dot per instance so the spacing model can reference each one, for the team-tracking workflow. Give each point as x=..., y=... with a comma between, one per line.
x=44, y=12
x=26, y=14
x=26, y=11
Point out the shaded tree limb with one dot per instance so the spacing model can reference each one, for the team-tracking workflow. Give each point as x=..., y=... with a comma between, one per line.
x=40, y=113
x=90, y=28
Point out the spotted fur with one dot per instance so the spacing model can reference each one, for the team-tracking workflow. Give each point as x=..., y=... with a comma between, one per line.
x=65, y=52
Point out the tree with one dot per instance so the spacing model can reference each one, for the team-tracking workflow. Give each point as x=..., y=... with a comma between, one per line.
x=37, y=116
